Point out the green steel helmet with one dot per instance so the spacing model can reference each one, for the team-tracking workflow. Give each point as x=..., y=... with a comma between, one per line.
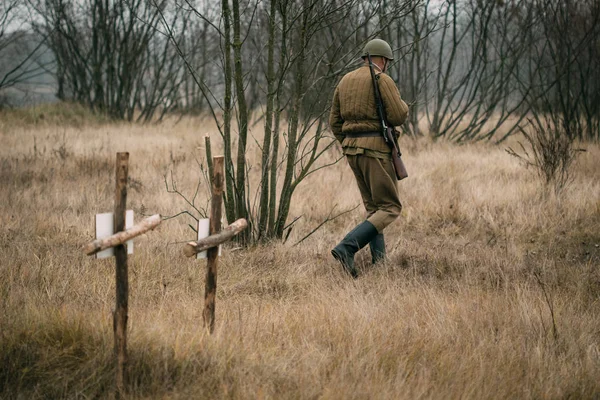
x=378, y=47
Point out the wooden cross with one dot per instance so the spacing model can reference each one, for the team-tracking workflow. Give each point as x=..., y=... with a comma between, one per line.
x=211, y=243
x=117, y=241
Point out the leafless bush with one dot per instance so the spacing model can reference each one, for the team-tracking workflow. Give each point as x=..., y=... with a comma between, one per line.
x=551, y=153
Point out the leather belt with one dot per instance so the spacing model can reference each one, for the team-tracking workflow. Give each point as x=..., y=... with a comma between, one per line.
x=362, y=134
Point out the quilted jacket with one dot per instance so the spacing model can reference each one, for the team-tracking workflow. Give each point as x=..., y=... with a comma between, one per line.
x=353, y=110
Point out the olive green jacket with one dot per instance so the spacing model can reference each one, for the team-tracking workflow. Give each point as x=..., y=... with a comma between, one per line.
x=353, y=111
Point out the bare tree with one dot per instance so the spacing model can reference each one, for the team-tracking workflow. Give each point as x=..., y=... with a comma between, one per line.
x=476, y=70
x=23, y=55
x=564, y=56
x=111, y=56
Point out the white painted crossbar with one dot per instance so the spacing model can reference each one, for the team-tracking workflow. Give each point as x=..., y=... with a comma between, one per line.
x=122, y=237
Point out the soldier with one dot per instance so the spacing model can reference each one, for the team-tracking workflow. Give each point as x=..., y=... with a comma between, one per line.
x=355, y=123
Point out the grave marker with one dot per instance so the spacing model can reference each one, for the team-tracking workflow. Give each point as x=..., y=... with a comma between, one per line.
x=211, y=243
x=119, y=243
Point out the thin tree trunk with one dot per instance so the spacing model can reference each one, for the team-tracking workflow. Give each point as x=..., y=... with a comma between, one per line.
x=230, y=199
x=277, y=120
x=266, y=150
x=241, y=210
x=286, y=190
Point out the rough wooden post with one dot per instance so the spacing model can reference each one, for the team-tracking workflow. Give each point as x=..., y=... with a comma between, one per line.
x=210, y=290
x=122, y=283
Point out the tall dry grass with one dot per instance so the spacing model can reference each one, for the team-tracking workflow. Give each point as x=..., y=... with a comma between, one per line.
x=491, y=289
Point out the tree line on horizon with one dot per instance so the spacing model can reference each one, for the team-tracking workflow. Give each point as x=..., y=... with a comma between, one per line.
x=467, y=67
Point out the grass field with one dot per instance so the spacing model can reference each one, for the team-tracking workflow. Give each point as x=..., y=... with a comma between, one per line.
x=491, y=288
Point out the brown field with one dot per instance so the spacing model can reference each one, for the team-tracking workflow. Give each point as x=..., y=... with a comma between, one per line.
x=491, y=289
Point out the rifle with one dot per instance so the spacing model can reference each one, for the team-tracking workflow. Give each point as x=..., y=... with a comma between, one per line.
x=388, y=132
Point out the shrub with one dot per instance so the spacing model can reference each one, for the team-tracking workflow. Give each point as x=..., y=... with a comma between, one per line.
x=551, y=152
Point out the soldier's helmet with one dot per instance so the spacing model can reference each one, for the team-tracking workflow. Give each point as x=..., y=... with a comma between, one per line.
x=378, y=47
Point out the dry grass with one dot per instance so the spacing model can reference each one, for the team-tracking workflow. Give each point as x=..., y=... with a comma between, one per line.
x=462, y=309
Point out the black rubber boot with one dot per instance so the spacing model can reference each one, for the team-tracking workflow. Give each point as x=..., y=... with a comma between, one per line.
x=377, y=246
x=358, y=238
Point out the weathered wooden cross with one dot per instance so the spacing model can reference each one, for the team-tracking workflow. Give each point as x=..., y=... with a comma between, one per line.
x=117, y=242
x=212, y=242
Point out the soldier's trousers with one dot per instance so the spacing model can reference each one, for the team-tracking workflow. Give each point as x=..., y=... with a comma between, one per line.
x=376, y=180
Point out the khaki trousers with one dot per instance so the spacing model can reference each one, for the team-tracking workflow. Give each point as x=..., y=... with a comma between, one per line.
x=376, y=181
